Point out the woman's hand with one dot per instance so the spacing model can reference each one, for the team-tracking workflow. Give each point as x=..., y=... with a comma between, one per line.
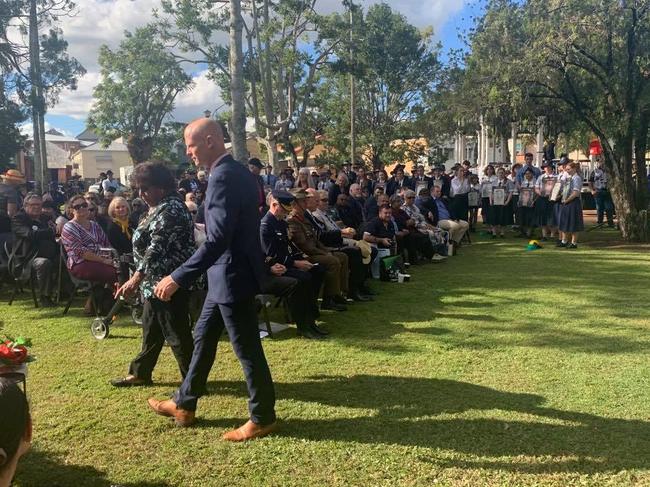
x=129, y=287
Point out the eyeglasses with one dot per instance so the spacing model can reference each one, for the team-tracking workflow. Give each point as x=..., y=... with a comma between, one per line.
x=92, y=210
x=324, y=200
x=80, y=206
x=410, y=197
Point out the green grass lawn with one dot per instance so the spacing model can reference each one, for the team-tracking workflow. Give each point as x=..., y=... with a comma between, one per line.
x=497, y=367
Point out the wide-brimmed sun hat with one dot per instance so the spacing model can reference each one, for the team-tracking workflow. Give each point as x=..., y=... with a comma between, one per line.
x=14, y=176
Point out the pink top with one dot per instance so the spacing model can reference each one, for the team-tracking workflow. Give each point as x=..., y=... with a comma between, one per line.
x=77, y=240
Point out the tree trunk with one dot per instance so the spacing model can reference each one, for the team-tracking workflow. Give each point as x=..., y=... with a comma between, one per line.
x=632, y=219
x=236, y=65
x=640, y=149
x=140, y=148
x=37, y=100
x=272, y=151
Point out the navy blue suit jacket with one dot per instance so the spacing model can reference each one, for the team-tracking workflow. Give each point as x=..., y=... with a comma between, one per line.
x=231, y=255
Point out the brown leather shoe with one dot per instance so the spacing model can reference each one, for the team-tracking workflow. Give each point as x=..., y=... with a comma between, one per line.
x=250, y=431
x=168, y=408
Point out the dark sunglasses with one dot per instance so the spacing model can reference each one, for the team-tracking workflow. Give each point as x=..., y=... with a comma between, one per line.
x=80, y=206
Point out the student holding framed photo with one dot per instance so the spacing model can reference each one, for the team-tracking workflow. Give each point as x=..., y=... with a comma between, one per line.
x=500, y=204
x=488, y=181
x=543, y=205
x=571, y=222
x=526, y=204
x=474, y=201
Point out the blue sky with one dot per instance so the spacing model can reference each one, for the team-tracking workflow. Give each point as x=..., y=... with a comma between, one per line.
x=111, y=17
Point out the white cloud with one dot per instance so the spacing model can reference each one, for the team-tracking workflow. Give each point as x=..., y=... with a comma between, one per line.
x=100, y=22
x=27, y=129
x=204, y=96
x=421, y=13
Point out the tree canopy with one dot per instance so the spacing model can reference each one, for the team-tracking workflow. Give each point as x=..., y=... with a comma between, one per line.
x=139, y=84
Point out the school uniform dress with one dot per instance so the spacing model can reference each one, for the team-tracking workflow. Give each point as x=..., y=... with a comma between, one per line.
x=557, y=205
x=527, y=215
x=543, y=205
x=571, y=213
x=459, y=204
x=501, y=215
x=486, y=190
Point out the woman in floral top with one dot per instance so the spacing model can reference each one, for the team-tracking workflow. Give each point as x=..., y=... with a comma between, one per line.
x=162, y=242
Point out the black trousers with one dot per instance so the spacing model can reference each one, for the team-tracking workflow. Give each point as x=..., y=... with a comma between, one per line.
x=415, y=242
x=240, y=319
x=298, y=294
x=164, y=320
x=313, y=280
x=43, y=269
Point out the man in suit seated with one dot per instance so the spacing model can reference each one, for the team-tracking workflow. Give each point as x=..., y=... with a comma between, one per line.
x=333, y=239
x=304, y=236
x=289, y=265
x=34, y=239
x=441, y=216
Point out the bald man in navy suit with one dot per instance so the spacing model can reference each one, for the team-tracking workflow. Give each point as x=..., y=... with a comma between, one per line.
x=233, y=259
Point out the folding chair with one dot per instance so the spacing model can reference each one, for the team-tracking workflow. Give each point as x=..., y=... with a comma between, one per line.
x=78, y=285
x=20, y=274
x=264, y=303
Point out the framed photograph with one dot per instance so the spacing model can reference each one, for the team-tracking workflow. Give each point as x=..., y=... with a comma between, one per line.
x=486, y=188
x=526, y=197
x=498, y=197
x=556, y=192
x=566, y=190
x=474, y=199
x=420, y=185
x=549, y=184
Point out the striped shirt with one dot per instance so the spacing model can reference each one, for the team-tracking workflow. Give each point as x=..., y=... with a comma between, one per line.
x=77, y=241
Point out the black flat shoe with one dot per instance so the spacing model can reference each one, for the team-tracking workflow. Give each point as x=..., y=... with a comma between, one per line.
x=319, y=330
x=332, y=306
x=310, y=335
x=360, y=298
x=571, y=246
x=131, y=382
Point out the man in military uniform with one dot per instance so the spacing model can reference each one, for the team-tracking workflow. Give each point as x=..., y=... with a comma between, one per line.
x=288, y=264
x=303, y=235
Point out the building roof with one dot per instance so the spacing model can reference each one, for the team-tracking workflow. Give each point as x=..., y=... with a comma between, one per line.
x=88, y=135
x=116, y=146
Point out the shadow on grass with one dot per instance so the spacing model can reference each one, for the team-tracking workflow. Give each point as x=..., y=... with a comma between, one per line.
x=405, y=414
x=40, y=469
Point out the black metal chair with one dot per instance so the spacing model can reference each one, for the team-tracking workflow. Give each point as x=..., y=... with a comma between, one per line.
x=20, y=274
x=78, y=285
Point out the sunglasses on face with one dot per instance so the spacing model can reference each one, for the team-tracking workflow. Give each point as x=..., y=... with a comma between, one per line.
x=80, y=206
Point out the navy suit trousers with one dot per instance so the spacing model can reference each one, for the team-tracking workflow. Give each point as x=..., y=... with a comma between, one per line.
x=240, y=320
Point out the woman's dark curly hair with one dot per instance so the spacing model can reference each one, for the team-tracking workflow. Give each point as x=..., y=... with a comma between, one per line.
x=154, y=174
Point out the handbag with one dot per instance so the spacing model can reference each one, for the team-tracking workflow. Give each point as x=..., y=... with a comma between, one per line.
x=390, y=267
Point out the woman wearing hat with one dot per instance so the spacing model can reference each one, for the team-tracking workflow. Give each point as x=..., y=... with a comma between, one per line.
x=10, y=190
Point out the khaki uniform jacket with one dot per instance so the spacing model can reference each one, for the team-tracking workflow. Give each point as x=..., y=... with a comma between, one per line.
x=303, y=235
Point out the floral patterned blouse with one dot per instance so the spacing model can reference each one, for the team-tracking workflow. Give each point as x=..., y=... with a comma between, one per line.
x=163, y=241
